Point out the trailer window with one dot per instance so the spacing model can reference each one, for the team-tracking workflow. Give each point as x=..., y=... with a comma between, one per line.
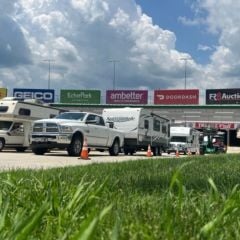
x=5, y=125
x=164, y=129
x=146, y=124
x=24, y=112
x=156, y=125
x=3, y=108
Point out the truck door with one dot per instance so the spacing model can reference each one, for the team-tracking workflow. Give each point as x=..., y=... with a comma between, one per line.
x=98, y=132
x=16, y=134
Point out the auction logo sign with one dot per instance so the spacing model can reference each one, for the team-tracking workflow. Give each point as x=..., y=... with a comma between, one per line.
x=127, y=97
x=45, y=95
x=223, y=96
x=185, y=96
x=80, y=96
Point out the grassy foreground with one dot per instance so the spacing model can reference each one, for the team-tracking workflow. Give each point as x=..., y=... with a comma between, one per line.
x=190, y=198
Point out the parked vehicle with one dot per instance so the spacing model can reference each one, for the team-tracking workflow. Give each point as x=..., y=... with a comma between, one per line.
x=70, y=129
x=141, y=127
x=184, y=139
x=16, y=118
x=212, y=141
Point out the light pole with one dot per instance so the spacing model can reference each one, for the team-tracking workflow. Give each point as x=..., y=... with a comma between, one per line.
x=49, y=70
x=185, y=59
x=114, y=61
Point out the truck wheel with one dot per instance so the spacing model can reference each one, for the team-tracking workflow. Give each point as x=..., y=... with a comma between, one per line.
x=75, y=147
x=115, y=148
x=2, y=144
x=21, y=149
x=39, y=151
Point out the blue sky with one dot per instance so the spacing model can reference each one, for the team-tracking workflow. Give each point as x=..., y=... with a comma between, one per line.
x=167, y=14
x=146, y=37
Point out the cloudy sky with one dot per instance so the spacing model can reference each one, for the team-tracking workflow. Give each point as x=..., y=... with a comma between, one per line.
x=148, y=39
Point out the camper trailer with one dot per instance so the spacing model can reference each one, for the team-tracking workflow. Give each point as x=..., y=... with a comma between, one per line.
x=184, y=140
x=141, y=128
x=16, y=118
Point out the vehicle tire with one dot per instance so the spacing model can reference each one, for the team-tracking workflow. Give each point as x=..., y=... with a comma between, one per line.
x=126, y=152
x=155, y=151
x=39, y=151
x=2, y=144
x=21, y=149
x=115, y=148
x=75, y=147
x=132, y=152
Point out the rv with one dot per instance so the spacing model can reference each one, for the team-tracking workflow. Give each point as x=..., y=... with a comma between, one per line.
x=16, y=118
x=184, y=140
x=141, y=128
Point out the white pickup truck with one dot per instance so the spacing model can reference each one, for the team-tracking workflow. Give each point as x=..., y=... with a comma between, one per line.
x=68, y=131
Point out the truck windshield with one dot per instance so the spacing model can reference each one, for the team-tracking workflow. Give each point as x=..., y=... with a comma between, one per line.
x=178, y=139
x=5, y=125
x=71, y=116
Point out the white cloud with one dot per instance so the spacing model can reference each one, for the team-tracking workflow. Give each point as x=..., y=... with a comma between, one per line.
x=204, y=47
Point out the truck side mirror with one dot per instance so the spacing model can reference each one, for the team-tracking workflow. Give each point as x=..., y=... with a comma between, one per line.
x=110, y=124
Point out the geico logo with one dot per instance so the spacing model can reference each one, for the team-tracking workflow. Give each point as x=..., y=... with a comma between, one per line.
x=35, y=95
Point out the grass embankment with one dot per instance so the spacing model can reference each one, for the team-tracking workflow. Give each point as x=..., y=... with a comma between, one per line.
x=186, y=198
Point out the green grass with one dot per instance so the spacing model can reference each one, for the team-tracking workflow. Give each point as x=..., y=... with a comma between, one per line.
x=184, y=198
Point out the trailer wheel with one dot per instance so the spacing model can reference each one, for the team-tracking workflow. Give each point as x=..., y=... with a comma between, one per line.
x=39, y=151
x=126, y=152
x=75, y=147
x=115, y=148
x=155, y=151
x=2, y=144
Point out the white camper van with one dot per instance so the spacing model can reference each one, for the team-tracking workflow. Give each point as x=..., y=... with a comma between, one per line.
x=141, y=127
x=16, y=118
x=184, y=139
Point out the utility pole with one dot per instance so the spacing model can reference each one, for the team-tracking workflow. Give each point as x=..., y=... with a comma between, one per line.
x=114, y=61
x=185, y=59
x=49, y=70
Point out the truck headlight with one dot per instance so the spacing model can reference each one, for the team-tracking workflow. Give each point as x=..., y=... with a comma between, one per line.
x=67, y=129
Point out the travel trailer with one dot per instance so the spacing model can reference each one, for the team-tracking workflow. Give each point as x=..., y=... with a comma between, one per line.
x=141, y=128
x=184, y=139
x=16, y=118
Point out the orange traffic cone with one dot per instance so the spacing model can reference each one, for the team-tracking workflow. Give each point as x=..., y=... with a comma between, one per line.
x=149, y=152
x=84, y=152
x=177, y=153
x=189, y=152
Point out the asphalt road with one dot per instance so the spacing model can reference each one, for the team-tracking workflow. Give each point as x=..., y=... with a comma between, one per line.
x=10, y=159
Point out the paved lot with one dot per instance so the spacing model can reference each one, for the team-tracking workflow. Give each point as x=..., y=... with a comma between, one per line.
x=13, y=160
x=10, y=159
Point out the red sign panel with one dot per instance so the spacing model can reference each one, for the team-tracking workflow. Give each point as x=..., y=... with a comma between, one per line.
x=126, y=97
x=185, y=96
x=200, y=125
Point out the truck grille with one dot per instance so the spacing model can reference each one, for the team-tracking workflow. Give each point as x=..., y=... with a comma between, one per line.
x=45, y=127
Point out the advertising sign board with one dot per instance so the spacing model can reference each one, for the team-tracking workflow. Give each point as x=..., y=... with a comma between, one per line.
x=223, y=96
x=180, y=96
x=200, y=125
x=45, y=95
x=3, y=92
x=80, y=96
x=126, y=96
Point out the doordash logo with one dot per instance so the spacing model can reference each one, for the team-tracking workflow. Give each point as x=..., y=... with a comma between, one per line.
x=188, y=96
